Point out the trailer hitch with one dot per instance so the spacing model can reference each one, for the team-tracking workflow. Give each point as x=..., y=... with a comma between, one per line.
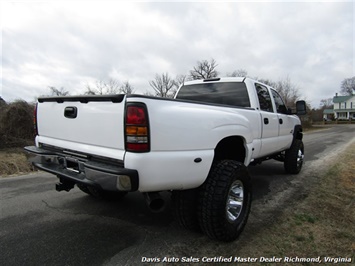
x=64, y=184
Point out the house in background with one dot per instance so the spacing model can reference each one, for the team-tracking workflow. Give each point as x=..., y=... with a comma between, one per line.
x=328, y=114
x=343, y=109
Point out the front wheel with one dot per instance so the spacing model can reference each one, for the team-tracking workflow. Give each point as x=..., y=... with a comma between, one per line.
x=294, y=157
x=225, y=200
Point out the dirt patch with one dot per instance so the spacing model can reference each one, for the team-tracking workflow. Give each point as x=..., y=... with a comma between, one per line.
x=14, y=161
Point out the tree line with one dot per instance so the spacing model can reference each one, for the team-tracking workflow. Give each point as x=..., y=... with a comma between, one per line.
x=16, y=118
x=164, y=85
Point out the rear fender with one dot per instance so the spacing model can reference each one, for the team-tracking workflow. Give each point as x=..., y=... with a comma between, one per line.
x=231, y=148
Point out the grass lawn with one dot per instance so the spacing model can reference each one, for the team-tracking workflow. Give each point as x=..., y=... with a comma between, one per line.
x=321, y=225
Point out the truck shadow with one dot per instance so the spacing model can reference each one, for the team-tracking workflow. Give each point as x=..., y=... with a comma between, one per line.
x=267, y=177
x=132, y=208
x=135, y=227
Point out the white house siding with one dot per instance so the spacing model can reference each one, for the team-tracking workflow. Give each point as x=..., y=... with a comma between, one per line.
x=344, y=107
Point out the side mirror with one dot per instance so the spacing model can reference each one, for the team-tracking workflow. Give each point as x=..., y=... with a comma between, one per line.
x=301, y=108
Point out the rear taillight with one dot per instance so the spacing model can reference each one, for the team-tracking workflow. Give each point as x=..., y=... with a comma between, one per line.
x=35, y=120
x=137, y=128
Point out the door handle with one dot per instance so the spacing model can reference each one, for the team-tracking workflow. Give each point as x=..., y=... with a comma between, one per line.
x=281, y=121
x=266, y=121
x=71, y=112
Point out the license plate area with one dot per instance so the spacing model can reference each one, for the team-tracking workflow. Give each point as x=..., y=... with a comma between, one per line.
x=72, y=165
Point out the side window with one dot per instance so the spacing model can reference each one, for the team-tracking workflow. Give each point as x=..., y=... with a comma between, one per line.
x=280, y=105
x=264, y=98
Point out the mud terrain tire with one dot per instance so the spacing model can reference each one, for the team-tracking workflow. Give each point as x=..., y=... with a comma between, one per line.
x=225, y=200
x=184, y=205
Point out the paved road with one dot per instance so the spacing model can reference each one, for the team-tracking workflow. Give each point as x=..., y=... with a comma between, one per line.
x=39, y=226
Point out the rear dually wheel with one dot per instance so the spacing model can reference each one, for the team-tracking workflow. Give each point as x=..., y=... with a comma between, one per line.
x=225, y=200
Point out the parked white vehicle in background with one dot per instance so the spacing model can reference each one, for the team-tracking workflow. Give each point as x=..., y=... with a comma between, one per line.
x=197, y=146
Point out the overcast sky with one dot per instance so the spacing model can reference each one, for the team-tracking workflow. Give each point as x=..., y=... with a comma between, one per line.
x=73, y=43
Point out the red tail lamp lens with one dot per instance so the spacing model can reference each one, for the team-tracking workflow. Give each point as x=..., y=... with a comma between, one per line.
x=137, y=128
x=136, y=116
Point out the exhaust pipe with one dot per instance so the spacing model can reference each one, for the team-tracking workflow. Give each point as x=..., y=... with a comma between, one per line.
x=154, y=201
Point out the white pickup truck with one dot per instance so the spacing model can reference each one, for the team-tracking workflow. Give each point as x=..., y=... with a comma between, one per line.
x=197, y=146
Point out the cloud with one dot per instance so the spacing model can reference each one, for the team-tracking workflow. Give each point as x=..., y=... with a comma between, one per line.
x=69, y=45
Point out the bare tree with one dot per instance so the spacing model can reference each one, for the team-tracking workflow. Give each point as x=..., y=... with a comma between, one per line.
x=268, y=82
x=288, y=91
x=326, y=103
x=58, y=92
x=204, y=70
x=148, y=93
x=102, y=87
x=163, y=85
x=179, y=80
x=238, y=73
x=348, y=86
x=126, y=88
x=90, y=90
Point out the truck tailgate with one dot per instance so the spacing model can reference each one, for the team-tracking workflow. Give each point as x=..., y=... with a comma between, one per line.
x=93, y=123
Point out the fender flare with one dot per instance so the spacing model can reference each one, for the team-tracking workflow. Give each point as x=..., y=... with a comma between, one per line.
x=298, y=132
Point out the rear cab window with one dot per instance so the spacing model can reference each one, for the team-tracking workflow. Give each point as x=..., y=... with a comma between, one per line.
x=225, y=93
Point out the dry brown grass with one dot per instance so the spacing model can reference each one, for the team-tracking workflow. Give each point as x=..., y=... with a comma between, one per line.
x=13, y=161
x=323, y=224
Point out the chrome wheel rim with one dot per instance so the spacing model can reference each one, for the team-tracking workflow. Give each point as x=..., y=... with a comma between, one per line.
x=235, y=199
x=300, y=158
